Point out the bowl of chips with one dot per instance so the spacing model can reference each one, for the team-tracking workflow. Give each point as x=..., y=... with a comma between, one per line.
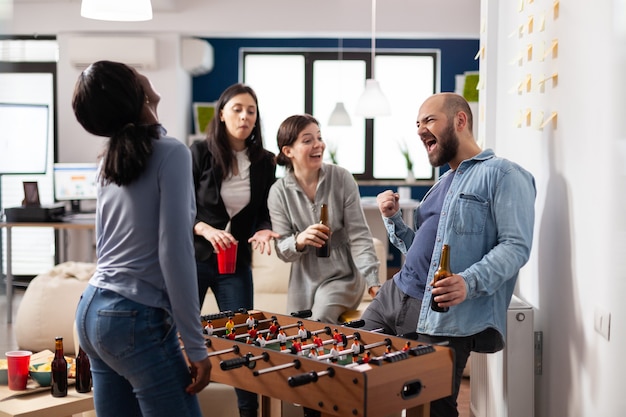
x=42, y=373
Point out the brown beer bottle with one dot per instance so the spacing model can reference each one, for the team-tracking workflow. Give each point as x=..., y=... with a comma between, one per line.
x=324, y=251
x=441, y=272
x=59, y=370
x=83, y=372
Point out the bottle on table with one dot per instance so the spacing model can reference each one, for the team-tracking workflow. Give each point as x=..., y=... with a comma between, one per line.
x=324, y=251
x=59, y=370
x=442, y=272
x=83, y=372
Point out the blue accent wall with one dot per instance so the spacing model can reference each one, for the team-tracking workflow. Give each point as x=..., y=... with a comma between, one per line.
x=456, y=57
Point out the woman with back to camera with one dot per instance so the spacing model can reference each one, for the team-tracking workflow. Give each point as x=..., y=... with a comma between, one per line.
x=144, y=290
x=232, y=175
x=327, y=286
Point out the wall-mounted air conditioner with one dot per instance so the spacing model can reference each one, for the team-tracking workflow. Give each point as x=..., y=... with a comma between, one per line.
x=138, y=52
x=196, y=56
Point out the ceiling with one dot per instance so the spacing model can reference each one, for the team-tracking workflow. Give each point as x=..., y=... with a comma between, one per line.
x=158, y=5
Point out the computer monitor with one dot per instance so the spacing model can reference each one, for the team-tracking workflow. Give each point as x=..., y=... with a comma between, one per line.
x=24, y=138
x=75, y=182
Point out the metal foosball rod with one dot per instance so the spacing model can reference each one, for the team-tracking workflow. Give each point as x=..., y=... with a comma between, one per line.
x=306, y=378
x=234, y=349
x=248, y=360
x=296, y=363
x=386, y=342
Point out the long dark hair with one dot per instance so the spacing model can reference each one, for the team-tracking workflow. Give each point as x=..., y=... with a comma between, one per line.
x=108, y=101
x=288, y=132
x=217, y=137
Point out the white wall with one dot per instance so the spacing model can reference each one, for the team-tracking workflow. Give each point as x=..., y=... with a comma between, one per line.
x=579, y=231
x=169, y=79
x=446, y=18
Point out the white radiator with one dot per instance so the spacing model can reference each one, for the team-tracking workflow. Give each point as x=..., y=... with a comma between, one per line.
x=502, y=384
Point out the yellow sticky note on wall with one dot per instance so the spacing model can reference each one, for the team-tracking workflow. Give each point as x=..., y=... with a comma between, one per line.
x=555, y=9
x=552, y=118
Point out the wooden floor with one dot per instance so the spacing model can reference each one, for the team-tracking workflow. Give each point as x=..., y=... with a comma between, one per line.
x=8, y=342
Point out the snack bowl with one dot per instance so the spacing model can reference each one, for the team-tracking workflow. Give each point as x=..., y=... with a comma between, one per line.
x=41, y=373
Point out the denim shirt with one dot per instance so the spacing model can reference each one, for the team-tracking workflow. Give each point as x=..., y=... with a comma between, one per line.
x=487, y=219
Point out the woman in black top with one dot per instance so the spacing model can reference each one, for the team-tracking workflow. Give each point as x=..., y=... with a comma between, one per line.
x=232, y=176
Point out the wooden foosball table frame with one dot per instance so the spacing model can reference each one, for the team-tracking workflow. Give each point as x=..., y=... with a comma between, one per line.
x=395, y=377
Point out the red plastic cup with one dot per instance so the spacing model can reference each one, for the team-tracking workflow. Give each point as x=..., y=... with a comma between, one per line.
x=18, y=362
x=227, y=259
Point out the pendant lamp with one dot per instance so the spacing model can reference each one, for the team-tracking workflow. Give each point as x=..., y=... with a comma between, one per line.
x=339, y=116
x=373, y=102
x=117, y=10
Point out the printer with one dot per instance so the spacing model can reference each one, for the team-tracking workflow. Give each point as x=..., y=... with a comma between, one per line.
x=35, y=213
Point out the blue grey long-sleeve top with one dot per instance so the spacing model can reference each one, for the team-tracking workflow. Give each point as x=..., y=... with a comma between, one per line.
x=144, y=240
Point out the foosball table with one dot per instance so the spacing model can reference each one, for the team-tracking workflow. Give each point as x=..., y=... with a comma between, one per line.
x=338, y=370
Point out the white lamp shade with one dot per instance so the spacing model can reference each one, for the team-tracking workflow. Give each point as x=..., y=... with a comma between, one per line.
x=117, y=10
x=339, y=116
x=372, y=102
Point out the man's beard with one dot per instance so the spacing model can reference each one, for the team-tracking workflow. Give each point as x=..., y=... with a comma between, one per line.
x=447, y=147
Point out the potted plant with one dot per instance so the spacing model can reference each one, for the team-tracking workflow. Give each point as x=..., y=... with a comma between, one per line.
x=409, y=162
x=332, y=152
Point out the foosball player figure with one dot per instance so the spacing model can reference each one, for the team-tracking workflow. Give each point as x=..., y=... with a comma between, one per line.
x=230, y=325
x=230, y=334
x=259, y=341
x=366, y=358
x=334, y=351
x=282, y=339
x=252, y=334
x=406, y=347
x=338, y=338
x=319, y=344
x=273, y=329
x=388, y=350
x=356, y=350
x=250, y=321
x=302, y=332
x=296, y=347
x=208, y=329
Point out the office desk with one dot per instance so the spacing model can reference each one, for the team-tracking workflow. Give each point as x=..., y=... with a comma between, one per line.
x=75, y=225
x=42, y=403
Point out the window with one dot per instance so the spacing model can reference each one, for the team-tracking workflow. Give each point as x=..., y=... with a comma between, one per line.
x=27, y=74
x=291, y=82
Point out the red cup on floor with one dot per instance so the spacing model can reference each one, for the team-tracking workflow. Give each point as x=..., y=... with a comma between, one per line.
x=227, y=259
x=18, y=362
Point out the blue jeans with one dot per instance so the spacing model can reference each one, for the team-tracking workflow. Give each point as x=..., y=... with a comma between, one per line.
x=137, y=365
x=232, y=292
